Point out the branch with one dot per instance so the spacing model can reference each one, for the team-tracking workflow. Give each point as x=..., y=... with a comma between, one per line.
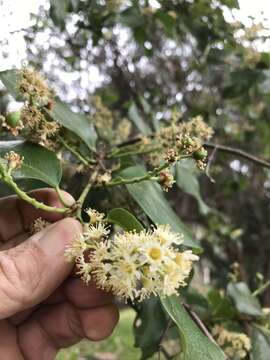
x=73, y=151
x=261, y=289
x=151, y=175
x=39, y=205
x=198, y=322
x=238, y=152
x=224, y=148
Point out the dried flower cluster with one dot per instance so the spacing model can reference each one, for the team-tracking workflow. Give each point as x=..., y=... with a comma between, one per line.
x=38, y=225
x=132, y=265
x=32, y=118
x=166, y=180
x=235, y=345
x=34, y=89
x=105, y=123
x=183, y=138
x=14, y=160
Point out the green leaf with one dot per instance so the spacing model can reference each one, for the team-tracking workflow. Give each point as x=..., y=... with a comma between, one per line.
x=151, y=199
x=243, y=299
x=260, y=343
x=39, y=163
x=167, y=21
x=124, y=219
x=75, y=122
x=149, y=326
x=58, y=12
x=137, y=119
x=10, y=79
x=186, y=179
x=195, y=345
x=221, y=307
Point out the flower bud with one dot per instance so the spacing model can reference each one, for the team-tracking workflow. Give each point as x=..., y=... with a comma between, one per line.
x=13, y=119
x=200, y=154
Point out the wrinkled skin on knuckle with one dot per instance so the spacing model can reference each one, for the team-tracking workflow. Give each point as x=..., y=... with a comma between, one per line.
x=20, y=274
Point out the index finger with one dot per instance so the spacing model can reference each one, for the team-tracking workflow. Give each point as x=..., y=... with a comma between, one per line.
x=16, y=215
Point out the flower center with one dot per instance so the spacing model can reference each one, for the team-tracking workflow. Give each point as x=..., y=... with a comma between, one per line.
x=155, y=253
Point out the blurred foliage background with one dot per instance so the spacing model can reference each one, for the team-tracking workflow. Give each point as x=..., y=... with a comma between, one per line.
x=141, y=63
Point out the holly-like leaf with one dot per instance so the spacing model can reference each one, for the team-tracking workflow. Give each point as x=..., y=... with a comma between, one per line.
x=151, y=199
x=243, y=299
x=187, y=180
x=195, y=344
x=260, y=343
x=75, y=122
x=149, y=326
x=124, y=219
x=38, y=162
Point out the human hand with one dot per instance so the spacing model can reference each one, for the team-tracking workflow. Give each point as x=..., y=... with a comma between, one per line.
x=43, y=307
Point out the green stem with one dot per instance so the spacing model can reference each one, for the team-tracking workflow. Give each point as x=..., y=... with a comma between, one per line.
x=119, y=154
x=61, y=198
x=74, y=151
x=151, y=175
x=261, y=289
x=39, y=205
x=83, y=195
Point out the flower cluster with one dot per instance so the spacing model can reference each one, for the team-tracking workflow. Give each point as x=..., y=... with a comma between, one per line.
x=104, y=120
x=34, y=89
x=38, y=225
x=14, y=160
x=182, y=138
x=132, y=265
x=33, y=118
x=235, y=345
x=166, y=180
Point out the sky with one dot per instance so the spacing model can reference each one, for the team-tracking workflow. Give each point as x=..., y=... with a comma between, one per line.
x=15, y=15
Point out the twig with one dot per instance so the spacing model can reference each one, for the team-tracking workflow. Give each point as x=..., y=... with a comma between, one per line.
x=238, y=152
x=199, y=323
x=208, y=145
x=39, y=205
x=209, y=164
x=261, y=289
x=73, y=151
x=61, y=198
x=84, y=193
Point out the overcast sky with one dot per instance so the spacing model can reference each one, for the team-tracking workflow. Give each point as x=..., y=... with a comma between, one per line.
x=15, y=15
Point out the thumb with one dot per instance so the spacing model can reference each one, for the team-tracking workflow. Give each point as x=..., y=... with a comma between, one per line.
x=30, y=272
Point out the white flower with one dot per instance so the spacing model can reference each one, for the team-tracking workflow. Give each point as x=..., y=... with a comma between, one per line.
x=84, y=269
x=166, y=236
x=94, y=216
x=133, y=265
x=96, y=232
x=76, y=248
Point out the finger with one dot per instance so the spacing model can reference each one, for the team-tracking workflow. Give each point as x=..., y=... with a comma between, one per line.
x=14, y=241
x=47, y=196
x=30, y=272
x=73, y=291
x=17, y=215
x=83, y=296
x=8, y=342
x=58, y=326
